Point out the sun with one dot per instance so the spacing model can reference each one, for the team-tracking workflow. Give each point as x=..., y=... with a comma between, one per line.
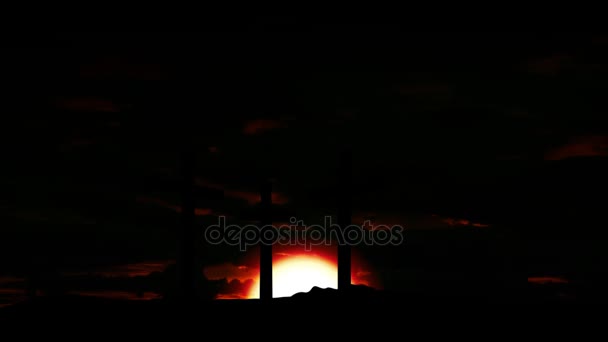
x=299, y=274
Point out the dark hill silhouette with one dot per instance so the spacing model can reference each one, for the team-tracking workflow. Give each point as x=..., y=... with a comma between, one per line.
x=357, y=310
x=353, y=292
x=357, y=297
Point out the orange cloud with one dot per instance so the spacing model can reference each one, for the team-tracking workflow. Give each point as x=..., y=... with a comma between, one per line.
x=261, y=125
x=253, y=198
x=120, y=68
x=130, y=270
x=112, y=294
x=463, y=222
x=547, y=280
x=11, y=291
x=231, y=296
x=456, y=222
x=387, y=220
x=589, y=146
x=363, y=274
x=237, y=279
x=87, y=104
x=12, y=295
x=236, y=289
x=551, y=65
x=230, y=271
x=373, y=221
x=175, y=208
x=248, y=196
x=10, y=279
x=600, y=40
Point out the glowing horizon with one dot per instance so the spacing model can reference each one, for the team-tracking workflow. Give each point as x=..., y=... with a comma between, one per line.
x=299, y=273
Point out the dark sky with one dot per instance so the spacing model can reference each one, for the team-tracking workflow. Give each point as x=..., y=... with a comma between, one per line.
x=462, y=137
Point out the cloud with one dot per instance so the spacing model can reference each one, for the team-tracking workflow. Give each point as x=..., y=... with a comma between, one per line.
x=547, y=280
x=87, y=104
x=10, y=280
x=387, y=220
x=559, y=63
x=374, y=221
x=173, y=207
x=551, y=65
x=362, y=277
x=230, y=296
x=235, y=289
x=253, y=197
x=600, y=40
x=9, y=296
x=250, y=197
x=463, y=222
x=11, y=290
x=130, y=270
x=122, y=68
x=230, y=271
x=584, y=146
x=237, y=280
x=56, y=215
x=114, y=294
x=261, y=125
x=433, y=92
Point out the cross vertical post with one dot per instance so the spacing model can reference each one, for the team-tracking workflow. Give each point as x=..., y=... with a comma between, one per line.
x=266, y=250
x=186, y=261
x=344, y=217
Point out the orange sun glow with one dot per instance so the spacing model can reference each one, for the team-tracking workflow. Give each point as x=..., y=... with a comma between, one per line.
x=299, y=274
